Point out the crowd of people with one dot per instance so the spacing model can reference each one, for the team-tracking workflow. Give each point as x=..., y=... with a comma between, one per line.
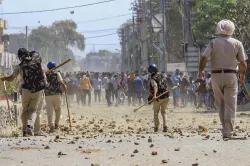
x=135, y=88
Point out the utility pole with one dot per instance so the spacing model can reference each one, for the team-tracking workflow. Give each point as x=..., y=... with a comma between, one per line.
x=27, y=40
x=150, y=57
x=158, y=29
x=143, y=34
x=163, y=36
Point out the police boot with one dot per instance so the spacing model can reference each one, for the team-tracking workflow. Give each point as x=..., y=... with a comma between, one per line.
x=165, y=129
x=52, y=129
x=29, y=130
x=25, y=134
x=56, y=127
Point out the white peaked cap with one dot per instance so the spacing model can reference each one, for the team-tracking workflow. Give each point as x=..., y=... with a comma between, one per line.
x=225, y=27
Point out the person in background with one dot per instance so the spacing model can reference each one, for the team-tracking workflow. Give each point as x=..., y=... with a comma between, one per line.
x=201, y=91
x=138, y=87
x=86, y=88
x=115, y=82
x=78, y=93
x=145, y=93
x=176, y=91
x=97, y=85
x=183, y=89
x=131, y=90
x=122, y=88
x=109, y=89
x=191, y=91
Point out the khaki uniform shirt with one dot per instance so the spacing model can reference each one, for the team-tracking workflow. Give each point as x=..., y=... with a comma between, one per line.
x=225, y=53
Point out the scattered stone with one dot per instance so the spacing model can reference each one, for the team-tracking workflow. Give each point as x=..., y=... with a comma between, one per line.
x=150, y=139
x=61, y=153
x=234, y=134
x=214, y=151
x=135, y=151
x=87, y=158
x=46, y=147
x=95, y=164
x=71, y=142
x=177, y=149
x=154, y=153
x=136, y=143
x=132, y=155
x=207, y=137
x=21, y=161
x=206, y=154
x=196, y=164
x=80, y=147
x=109, y=141
x=237, y=127
x=164, y=161
x=152, y=145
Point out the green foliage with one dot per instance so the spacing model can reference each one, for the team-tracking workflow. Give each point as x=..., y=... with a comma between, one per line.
x=53, y=41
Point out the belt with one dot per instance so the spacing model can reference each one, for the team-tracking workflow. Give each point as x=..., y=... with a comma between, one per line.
x=224, y=71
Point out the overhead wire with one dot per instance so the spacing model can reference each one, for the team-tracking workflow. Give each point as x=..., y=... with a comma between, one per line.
x=101, y=19
x=56, y=9
x=100, y=36
x=103, y=44
x=99, y=30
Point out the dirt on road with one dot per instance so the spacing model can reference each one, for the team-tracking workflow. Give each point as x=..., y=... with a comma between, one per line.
x=103, y=136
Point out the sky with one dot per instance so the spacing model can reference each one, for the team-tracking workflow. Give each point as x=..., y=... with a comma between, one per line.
x=17, y=23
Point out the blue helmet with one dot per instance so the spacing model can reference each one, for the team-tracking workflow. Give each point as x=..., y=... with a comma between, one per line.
x=51, y=65
x=152, y=68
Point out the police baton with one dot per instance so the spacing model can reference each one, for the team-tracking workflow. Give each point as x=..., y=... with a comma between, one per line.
x=151, y=101
x=60, y=65
x=7, y=99
x=246, y=91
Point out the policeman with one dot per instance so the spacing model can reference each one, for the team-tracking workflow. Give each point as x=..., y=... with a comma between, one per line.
x=226, y=53
x=34, y=81
x=53, y=95
x=158, y=86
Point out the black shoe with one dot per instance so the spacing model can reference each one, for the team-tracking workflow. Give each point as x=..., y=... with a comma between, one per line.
x=30, y=130
x=155, y=129
x=25, y=134
x=165, y=129
x=56, y=127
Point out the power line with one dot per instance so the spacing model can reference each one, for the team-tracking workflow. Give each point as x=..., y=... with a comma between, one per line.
x=100, y=36
x=64, y=8
x=99, y=30
x=87, y=21
x=109, y=44
x=101, y=19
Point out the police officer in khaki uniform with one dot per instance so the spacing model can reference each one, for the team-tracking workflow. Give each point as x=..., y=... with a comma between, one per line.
x=34, y=81
x=53, y=96
x=157, y=87
x=226, y=53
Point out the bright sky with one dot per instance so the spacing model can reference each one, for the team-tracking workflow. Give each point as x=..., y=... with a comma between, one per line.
x=81, y=16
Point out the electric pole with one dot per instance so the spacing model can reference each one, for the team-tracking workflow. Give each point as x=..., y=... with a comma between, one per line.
x=158, y=30
x=163, y=36
x=143, y=34
x=27, y=40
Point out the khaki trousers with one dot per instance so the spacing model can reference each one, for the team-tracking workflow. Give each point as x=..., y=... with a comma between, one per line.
x=225, y=87
x=29, y=103
x=53, y=104
x=37, y=125
x=161, y=104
